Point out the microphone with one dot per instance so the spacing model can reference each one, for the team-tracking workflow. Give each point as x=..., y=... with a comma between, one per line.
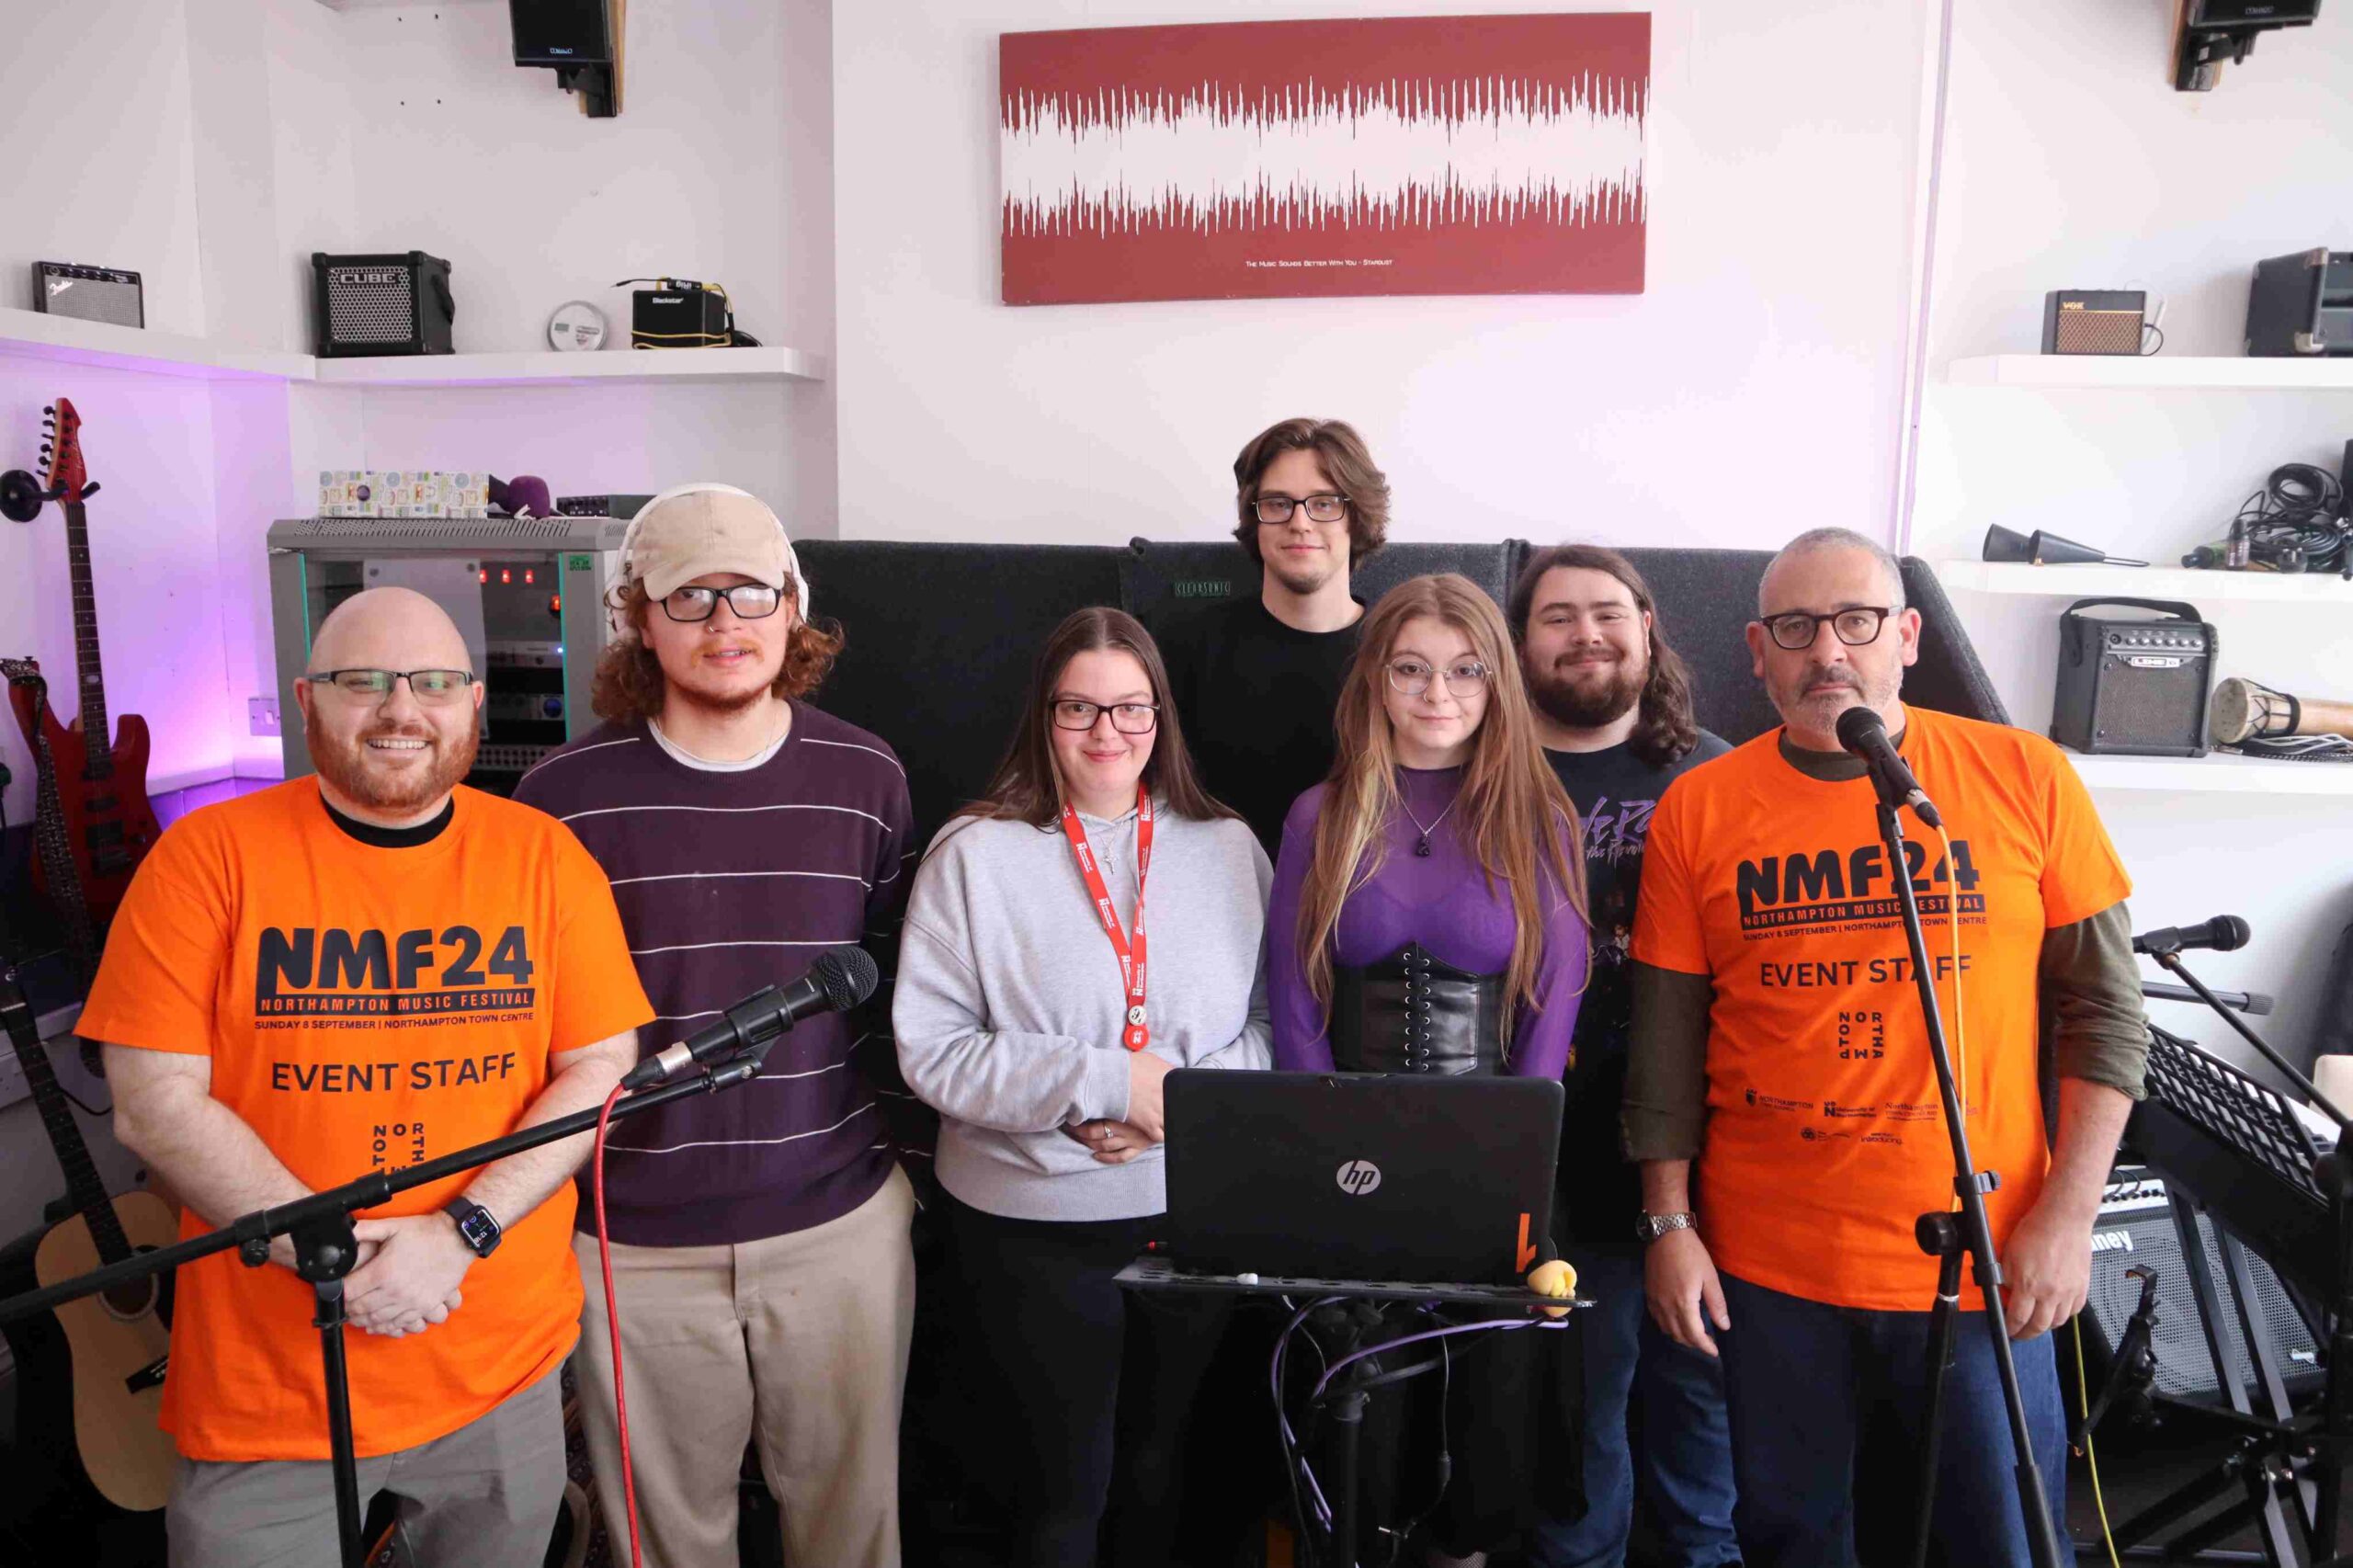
x=839, y=979
x=1864, y=732
x=2222, y=933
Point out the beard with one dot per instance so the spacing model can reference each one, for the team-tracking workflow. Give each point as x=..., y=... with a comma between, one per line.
x=354, y=775
x=1304, y=578
x=716, y=704
x=1588, y=704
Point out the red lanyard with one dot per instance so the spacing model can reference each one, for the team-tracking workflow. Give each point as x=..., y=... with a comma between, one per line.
x=1130, y=953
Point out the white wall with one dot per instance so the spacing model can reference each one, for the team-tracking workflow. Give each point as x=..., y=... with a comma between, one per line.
x=1753, y=389
x=2070, y=163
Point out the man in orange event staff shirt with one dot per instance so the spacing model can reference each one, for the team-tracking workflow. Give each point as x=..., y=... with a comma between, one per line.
x=1778, y=1044
x=352, y=974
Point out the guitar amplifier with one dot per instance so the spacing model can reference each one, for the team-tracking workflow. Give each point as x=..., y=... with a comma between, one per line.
x=2302, y=304
x=2133, y=687
x=381, y=304
x=2135, y=1227
x=2093, y=320
x=90, y=293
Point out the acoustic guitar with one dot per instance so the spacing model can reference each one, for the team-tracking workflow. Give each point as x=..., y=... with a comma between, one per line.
x=102, y=785
x=118, y=1341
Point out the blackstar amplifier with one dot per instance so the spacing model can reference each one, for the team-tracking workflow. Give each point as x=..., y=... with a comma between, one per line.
x=2302, y=304
x=2134, y=685
x=88, y=294
x=381, y=304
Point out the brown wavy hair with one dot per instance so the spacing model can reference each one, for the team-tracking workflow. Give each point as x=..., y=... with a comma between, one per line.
x=628, y=682
x=1512, y=812
x=1665, y=726
x=1347, y=462
x=1024, y=787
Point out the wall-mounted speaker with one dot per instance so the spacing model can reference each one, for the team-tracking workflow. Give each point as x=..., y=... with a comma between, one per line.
x=580, y=40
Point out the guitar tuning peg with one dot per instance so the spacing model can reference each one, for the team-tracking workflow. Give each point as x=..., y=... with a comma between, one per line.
x=49, y=408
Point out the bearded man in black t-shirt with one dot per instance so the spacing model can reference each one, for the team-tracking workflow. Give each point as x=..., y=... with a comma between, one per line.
x=1613, y=709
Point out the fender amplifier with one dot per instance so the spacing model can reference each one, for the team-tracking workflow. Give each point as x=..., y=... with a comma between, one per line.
x=91, y=294
x=381, y=304
x=2133, y=686
x=2136, y=1227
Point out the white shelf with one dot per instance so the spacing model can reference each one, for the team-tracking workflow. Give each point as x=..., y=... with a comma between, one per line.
x=2154, y=370
x=617, y=365
x=35, y=335
x=2235, y=775
x=32, y=335
x=2143, y=582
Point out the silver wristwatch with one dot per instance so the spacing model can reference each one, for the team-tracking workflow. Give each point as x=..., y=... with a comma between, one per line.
x=1650, y=1227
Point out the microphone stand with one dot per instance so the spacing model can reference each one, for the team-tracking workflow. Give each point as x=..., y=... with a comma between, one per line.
x=325, y=1250
x=1946, y=1237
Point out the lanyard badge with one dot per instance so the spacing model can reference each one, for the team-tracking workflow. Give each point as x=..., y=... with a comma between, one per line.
x=1131, y=951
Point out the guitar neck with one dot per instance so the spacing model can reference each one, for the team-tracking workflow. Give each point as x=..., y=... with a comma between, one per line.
x=96, y=734
x=82, y=1184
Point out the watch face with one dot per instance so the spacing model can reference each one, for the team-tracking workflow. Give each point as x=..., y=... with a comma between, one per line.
x=479, y=1229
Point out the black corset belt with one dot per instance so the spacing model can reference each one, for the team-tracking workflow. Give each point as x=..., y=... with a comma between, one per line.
x=1413, y=1013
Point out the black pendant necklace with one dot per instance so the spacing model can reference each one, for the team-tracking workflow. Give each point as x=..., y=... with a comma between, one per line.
x=1422, y=844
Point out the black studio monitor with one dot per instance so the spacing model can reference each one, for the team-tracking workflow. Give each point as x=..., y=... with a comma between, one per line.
x=562, y=32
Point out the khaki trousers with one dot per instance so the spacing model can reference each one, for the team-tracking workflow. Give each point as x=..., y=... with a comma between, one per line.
x=796, y=1343
x=486, y=1493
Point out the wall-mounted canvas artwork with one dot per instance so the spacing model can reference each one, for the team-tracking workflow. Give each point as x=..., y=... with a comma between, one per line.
x=1406, y=155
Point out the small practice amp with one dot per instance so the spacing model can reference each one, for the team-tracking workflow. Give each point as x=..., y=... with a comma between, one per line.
x=2093, y=320
x=2133, y=687
x=88, y=294
x=2301, y=304
x=2136, y=1227
x=397, y=303
x=677, y=313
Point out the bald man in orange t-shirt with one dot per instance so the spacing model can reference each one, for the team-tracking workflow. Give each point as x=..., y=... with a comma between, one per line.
x=1779, y=1054
x=350, y=973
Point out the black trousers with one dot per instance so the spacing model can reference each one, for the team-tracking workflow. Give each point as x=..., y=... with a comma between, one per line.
x=1091, y=1384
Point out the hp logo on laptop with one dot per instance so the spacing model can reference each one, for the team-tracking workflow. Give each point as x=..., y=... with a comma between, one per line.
x=1358, y=1177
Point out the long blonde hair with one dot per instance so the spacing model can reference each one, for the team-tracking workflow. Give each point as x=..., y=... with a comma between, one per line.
x=1512, y=812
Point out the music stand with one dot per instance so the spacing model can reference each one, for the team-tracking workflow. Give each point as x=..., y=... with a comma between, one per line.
x=320, y=1227
x=1512, y=1304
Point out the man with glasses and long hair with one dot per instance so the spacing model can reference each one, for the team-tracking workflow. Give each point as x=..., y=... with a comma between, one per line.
x=1256, y=678
x=351, y=973
x=1780, y=1056
x=761, y=1254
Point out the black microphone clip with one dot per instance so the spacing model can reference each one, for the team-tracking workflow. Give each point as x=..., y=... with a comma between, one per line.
x=838, y=981
x=1862, y=732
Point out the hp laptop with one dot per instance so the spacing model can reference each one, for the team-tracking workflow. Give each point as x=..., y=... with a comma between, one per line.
x=1361, y=1176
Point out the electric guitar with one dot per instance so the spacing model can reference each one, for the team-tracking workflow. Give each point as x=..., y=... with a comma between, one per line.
x=116, y=1340
x=102, y=787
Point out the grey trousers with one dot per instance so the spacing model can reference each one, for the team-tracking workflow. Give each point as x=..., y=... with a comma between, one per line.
x=486, y=1494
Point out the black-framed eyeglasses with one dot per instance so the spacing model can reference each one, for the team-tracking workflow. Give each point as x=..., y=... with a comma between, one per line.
x=1325, y=508
x=1855, y=626
x=1128, y=718
x=432, y=688
x=1465, y=678
x=750, y=601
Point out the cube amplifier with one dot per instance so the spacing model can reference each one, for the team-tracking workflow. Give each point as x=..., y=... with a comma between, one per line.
x=381, y=304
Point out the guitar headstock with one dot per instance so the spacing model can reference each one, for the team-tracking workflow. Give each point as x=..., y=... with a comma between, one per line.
x=63, y=473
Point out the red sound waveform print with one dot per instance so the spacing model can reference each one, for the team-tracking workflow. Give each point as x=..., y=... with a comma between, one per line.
x=1493, y=154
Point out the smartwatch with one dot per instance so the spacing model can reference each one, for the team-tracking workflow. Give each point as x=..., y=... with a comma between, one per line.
x=477, y=1227
x=1650, y=1227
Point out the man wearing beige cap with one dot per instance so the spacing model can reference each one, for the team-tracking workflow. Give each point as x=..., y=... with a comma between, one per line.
x=761, y=1264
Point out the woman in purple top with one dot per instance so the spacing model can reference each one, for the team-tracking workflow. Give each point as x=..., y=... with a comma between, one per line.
x=1428, y=917
x=1429, y=907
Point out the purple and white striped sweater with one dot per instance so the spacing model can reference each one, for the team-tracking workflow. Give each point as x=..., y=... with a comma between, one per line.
x=728, y=881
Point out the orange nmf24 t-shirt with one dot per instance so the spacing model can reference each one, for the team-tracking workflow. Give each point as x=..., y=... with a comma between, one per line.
x=366, y=1009
x=1826, y=1135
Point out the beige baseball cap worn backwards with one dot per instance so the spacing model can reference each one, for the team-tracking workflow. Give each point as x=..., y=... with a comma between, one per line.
x=699, y=529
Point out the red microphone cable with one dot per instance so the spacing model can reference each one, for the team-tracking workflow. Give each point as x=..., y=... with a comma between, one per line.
x=613, y=1321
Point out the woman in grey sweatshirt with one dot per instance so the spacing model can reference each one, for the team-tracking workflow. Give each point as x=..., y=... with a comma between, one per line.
x=1039, y=1018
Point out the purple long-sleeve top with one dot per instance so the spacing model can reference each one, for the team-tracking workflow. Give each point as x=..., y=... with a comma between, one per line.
x=1442, y=901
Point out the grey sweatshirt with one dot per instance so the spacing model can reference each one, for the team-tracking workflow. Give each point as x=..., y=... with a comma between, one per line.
x=1010, y=1004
